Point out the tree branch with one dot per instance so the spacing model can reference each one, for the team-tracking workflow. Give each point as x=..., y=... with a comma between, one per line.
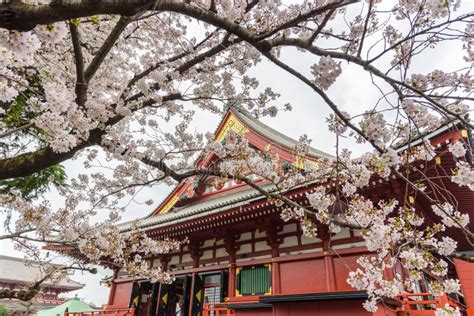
x=106, y=47
x=19, y=16
x=14, y=130
x=366, y=24
x=16, y=234
x=81, y=82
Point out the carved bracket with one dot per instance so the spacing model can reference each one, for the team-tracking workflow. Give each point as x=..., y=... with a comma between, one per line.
x=230, y=244
x=271, y=231
x=195, y=250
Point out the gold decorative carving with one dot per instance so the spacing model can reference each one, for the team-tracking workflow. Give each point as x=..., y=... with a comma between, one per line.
x=168, y=206
x=231, y=124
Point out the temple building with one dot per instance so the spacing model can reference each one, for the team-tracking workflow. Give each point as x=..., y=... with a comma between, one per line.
x=243, y=259
x=17, y=273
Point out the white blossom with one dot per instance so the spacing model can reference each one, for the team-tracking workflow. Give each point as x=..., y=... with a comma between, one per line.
x=457, y=149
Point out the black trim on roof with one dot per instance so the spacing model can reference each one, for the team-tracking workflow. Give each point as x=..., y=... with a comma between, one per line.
x=314, y=297
x=248, y=305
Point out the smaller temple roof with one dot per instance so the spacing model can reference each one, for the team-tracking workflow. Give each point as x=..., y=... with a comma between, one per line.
x=73, y=305
x=21, y=271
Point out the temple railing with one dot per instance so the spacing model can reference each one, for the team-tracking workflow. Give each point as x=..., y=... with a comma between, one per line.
x=415, y=304
x=216, y=309
x=105, y=312
x=49, y=301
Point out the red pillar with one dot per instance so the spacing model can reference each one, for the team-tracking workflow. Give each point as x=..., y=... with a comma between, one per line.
x=113, y=286
x=329, y=268
x=191, y=297
x=231, y=248
x=276, y=278
x=231, y=283
x=273, y=240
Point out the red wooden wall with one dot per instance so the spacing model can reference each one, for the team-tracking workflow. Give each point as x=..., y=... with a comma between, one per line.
x=254, y=312
x=342, y=267
x=302, y=277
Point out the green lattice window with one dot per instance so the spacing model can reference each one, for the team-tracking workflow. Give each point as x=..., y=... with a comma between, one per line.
x=254, y=280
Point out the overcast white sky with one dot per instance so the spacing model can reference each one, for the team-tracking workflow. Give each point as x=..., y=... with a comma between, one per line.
x=353, y=92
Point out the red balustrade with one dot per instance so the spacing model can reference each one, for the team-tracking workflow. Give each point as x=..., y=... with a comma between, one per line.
x=417, y=304
x=216, y=309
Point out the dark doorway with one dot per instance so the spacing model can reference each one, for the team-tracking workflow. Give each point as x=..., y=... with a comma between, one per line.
x=179, y=296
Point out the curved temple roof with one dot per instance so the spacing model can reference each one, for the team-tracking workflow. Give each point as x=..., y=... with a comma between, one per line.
x=273, y=135
x=259, y=134
x=21, y=271
x=196, y=210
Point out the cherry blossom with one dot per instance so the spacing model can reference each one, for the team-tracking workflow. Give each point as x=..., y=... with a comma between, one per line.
x=464, y=175
x=457, y=149
x=325, y=72
x=448, y=311
x=449, y=216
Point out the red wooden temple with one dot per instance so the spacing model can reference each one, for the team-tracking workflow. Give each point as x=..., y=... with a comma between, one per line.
x=242, y=259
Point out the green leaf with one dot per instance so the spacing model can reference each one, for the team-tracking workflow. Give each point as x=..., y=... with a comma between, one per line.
x=95, y=19
x=31, y=187
x=75, y=22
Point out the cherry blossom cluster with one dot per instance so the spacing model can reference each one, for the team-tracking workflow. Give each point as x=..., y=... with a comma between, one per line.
x=375, y=128
x=325, y=72
x=464, y=175
x=449, y=216
x=448, y=310
x=420, y=115
x=336, y=124
x=98, y=243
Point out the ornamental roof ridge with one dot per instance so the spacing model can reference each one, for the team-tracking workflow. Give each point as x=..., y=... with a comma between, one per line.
x=272, y=134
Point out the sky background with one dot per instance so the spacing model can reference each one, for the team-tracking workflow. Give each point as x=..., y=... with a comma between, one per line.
x=353, y=92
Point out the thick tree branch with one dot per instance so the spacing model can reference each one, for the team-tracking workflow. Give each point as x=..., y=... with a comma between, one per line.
x=81, y=82
x=367, y=66
x=23, y=17
x=29, y=163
